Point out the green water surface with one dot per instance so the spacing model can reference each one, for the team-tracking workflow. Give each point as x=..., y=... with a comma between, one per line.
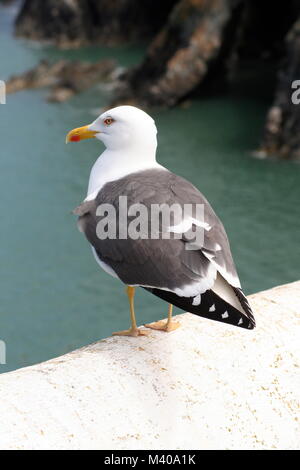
x=54, y=297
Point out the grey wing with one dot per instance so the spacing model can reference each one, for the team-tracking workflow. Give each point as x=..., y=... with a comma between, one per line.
x=214, y=244
x=161, y=263
x=85, y=211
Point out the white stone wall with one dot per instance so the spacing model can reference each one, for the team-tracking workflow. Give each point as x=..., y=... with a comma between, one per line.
x=206, y=385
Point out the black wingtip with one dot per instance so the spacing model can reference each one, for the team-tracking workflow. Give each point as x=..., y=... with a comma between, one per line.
x=211, y=307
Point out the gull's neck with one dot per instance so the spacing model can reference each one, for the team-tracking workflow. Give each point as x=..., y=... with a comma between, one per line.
x=113, y=165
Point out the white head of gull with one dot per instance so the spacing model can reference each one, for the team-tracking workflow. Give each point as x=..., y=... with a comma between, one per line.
x=129, y=135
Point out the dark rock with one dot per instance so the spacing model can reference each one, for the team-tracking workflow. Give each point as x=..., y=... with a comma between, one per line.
x=71, y=23
x=281, y=133
x=64, y=77
x=182, y=53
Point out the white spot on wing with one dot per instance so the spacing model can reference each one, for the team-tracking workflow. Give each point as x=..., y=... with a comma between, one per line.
x=212, y=308
x=240, y=321
x=186, y=224
x=225, y=291
x=225, y=314
x=197, y=300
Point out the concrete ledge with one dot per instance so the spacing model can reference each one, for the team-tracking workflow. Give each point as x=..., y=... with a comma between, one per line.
x=204, y=386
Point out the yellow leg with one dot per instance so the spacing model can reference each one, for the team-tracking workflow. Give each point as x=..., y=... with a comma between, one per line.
x=134, y=330
x=162, y=325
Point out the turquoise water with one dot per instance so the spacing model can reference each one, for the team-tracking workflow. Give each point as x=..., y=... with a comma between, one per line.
x=54, y=297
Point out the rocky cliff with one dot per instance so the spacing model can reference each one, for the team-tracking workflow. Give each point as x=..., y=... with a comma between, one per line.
x=77, y=22
x=194, y=45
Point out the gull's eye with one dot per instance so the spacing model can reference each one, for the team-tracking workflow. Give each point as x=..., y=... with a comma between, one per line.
x=108, y=121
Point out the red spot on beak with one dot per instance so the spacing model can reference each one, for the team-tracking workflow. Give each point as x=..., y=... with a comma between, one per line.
x=75, y=138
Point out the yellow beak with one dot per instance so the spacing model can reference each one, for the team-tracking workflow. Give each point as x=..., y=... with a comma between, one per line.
x=80, y=133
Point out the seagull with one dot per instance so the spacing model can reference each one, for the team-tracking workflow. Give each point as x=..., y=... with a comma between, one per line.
x=185, y=259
